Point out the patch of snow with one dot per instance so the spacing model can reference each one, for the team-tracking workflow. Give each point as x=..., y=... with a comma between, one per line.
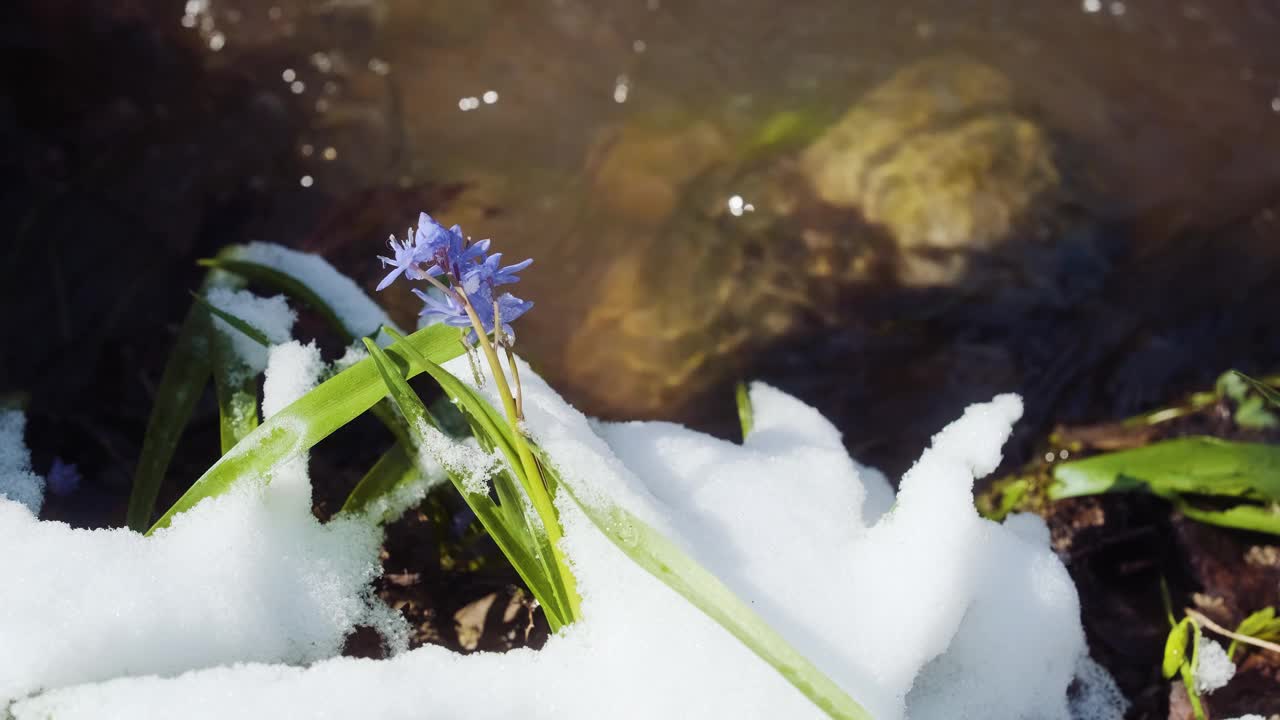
x=242, y=578
x=292, y=371
x=924, y=610
x=359, y=314
x=17, y=482
x=1214, y=668
x=272, y=316
x=1094, y=695
x=463, y=458
x=354, y=353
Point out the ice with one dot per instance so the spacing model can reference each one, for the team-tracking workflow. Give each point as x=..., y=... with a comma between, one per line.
x=17, y=482
x=360, y=316
x=272, y=316
x=920, y=610
x=1214, y=668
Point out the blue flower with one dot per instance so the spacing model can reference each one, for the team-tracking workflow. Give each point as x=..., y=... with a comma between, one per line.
x=510, y=308
x=405, y=261
x=445, y=249
x=440, y=307
x=63, y=478
x=487, y=274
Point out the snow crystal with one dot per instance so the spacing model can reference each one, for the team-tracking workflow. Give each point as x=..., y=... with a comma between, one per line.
x=1214, y=668
x=927, y=612
x=360, y=316
x=17, y=482
x=463, y=458
x=272, y=316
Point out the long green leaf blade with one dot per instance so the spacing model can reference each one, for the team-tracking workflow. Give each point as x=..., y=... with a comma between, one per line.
x=185, y=374
x=312, y=418
x=666, y=561
x=1190, y=465
x=394, y=470
x=505, y=534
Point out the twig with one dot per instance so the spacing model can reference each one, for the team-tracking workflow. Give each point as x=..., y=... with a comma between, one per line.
x=1246, y=639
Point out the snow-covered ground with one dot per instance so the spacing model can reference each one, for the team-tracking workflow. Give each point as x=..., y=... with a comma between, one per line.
x=914, y=604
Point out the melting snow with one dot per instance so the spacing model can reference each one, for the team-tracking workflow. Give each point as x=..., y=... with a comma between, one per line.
x=921, y=610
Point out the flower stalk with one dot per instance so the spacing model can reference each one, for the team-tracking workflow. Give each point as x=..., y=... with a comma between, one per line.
x=464, y=278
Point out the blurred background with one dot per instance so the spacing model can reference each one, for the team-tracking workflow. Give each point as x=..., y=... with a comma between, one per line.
x=889, y=209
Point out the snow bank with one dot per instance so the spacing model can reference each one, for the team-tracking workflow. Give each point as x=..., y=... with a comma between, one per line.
x=927, y=612
x=17, y=482
x=272, y=316
x=249, y=576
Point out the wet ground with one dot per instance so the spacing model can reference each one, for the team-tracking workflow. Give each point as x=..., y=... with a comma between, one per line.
x=1076, y=200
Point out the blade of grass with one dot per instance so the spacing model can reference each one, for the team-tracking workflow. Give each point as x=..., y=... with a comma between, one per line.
x=1189, y=465
x=312, y=417
x=506, y=535
x=1271, y=394
x=237, y=394
x=283, y=282
x=490, y=425
x=235, y=386
x=746, y=414
x=185, y=374
x=666, y=561
x=239, y=324
x=394, y=470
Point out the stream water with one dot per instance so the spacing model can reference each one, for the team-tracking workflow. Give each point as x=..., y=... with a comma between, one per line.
x=889, y=208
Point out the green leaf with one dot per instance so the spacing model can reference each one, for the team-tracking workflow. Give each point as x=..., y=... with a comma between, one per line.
x=1190, y=465
x=513, y=538
x=1269, y=393
x=185, y=374
x=236, y=322
x=1175, y=648
x=394, y=470
x=1188, y=671
x=310, y=419
x=493, y=431
x=283, y=282
x=1256, y=518
x=237, y=393
x=1262, y=625
x=1251, y=398
x=235, y=386
x=666, y=561
x=745, y=412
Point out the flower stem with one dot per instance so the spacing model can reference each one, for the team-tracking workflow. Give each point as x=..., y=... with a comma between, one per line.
x=536, y=487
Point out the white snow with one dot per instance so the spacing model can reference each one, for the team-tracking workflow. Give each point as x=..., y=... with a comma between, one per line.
x=1214, y=668
x=927, y=612
x=272, y=316
x=359, y=314
x=17, y=482
x=463, y=458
